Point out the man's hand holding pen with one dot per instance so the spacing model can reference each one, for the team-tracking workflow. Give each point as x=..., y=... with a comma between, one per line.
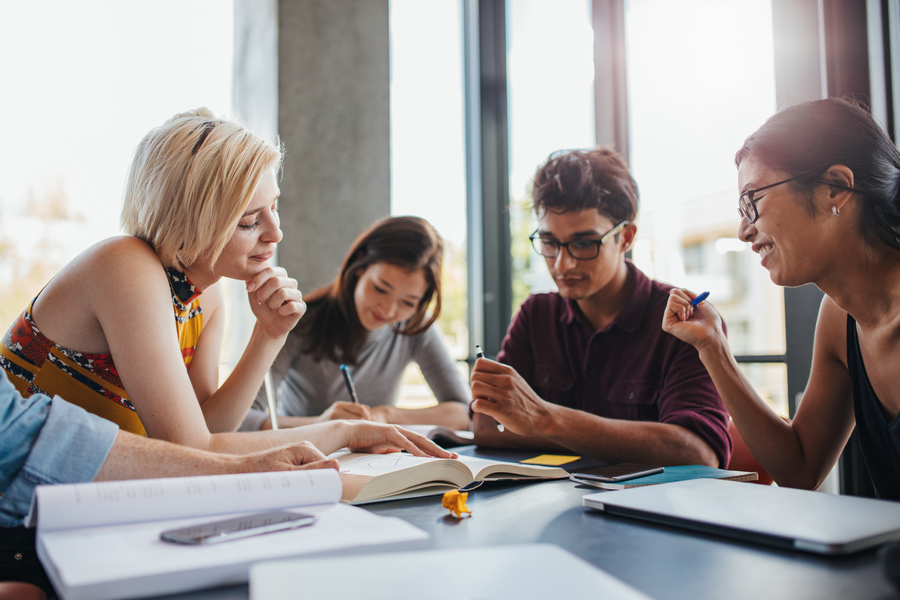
x=501, y=393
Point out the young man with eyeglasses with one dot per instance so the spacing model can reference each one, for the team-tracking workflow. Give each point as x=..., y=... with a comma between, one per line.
x=588, y=369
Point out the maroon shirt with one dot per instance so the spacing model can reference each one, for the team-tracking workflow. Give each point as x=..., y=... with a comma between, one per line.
x=630, y=369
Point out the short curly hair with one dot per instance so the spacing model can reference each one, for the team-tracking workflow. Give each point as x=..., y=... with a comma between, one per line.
x=573, y=180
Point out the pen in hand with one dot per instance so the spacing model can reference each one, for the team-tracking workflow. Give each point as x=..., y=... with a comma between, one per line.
x=700, y=298
x=348, y=381
x=479, y=353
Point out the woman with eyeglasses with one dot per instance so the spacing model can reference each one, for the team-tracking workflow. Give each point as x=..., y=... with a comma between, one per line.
x=131, y=329
x=376, y=318
x=819, y=203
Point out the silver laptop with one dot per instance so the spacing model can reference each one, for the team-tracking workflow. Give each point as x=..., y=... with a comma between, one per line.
x=782, y=517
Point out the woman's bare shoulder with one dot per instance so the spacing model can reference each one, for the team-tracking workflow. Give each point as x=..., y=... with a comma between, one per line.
x=124, y=264
x=125, y=249
x=831, y=330
x=112, y=274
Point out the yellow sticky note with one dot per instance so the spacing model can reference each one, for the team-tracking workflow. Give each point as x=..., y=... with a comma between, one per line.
x=553, y=460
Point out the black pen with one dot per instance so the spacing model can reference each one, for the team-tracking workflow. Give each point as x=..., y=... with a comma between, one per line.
x=348, y=381
x=479, y=353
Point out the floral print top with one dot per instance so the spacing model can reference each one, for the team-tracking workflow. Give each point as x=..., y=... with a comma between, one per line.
x=36, y=364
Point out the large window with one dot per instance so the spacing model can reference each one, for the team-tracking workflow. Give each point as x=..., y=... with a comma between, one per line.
x=551, y=107
x=696, y=90
x=83, y=82
x=428, y=177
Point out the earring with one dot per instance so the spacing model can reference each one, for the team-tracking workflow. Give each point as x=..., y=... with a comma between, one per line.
x=835, y=210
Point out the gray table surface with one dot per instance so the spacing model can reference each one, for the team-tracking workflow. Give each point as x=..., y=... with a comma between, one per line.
x=664, y=562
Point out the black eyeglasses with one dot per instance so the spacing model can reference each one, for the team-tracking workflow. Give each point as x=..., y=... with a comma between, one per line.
x=578, y=249
x=747, y=202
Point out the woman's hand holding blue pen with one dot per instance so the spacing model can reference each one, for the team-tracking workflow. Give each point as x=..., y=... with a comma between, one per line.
x=699, y=326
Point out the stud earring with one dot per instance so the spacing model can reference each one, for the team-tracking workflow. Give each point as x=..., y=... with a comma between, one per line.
x=835, y=210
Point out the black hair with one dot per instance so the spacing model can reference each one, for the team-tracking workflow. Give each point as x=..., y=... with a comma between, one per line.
x=573, y=180
x=806, y=139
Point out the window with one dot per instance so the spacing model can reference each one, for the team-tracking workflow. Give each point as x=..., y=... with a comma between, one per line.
x=551, y=107
x=428, y=176
x=696, y=90
x=90, y=79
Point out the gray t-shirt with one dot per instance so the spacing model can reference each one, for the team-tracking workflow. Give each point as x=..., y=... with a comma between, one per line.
x=305, y=388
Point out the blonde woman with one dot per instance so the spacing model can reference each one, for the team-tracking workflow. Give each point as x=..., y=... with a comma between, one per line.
x=131, y=329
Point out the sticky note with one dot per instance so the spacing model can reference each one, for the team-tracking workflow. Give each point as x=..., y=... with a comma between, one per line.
x=553, y=460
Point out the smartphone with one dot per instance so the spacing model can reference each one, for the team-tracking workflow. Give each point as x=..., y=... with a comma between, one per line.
x=616, y=473
x=235, y=529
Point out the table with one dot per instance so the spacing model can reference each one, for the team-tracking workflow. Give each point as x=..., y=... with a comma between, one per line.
x=664, y=562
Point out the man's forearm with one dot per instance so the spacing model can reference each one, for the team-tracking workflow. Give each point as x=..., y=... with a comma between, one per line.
x=610, y=440
x=619, y=440
x=136, y=457
x=487, y=434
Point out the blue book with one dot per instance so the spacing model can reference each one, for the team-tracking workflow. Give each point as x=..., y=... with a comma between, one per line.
x=676, y=473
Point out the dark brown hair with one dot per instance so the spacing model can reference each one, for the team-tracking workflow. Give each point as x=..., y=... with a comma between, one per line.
x=806, y=139
x=573, y=180
x=331, y=328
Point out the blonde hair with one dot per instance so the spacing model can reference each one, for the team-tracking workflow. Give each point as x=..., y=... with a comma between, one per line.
x=190, y=181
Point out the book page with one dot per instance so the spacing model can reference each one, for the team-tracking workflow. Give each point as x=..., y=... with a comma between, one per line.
x=373, y=465
x=113, y=502
x=495, y=469
x=369, y=477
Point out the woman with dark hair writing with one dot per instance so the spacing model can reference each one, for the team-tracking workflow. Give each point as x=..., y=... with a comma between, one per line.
x=376, y=317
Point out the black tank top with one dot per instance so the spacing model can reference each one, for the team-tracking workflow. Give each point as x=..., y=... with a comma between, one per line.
x=879, y=440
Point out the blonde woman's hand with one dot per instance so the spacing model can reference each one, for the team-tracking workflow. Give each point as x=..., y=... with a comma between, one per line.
x=275, y=301
x=378, y=438
x=291, y=457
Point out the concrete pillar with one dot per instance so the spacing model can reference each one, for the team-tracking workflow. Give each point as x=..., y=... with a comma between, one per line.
x=331, y=61
x=334, y=119
x=315, y=74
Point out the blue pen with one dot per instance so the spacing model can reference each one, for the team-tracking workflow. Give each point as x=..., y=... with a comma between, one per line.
x=348, y=381
x=700, y=298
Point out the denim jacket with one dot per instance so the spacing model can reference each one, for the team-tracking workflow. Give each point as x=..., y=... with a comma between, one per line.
x=43, y=441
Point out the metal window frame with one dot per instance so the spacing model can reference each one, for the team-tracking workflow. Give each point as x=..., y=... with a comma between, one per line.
x=487, y=173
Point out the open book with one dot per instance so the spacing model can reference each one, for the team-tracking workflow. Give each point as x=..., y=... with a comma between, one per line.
x=677, y=473
x=101, y=540
x=373, y=477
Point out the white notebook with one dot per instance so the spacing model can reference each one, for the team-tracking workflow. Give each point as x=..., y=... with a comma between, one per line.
x=782, y=517
x=101, y=540
x=523, y=572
